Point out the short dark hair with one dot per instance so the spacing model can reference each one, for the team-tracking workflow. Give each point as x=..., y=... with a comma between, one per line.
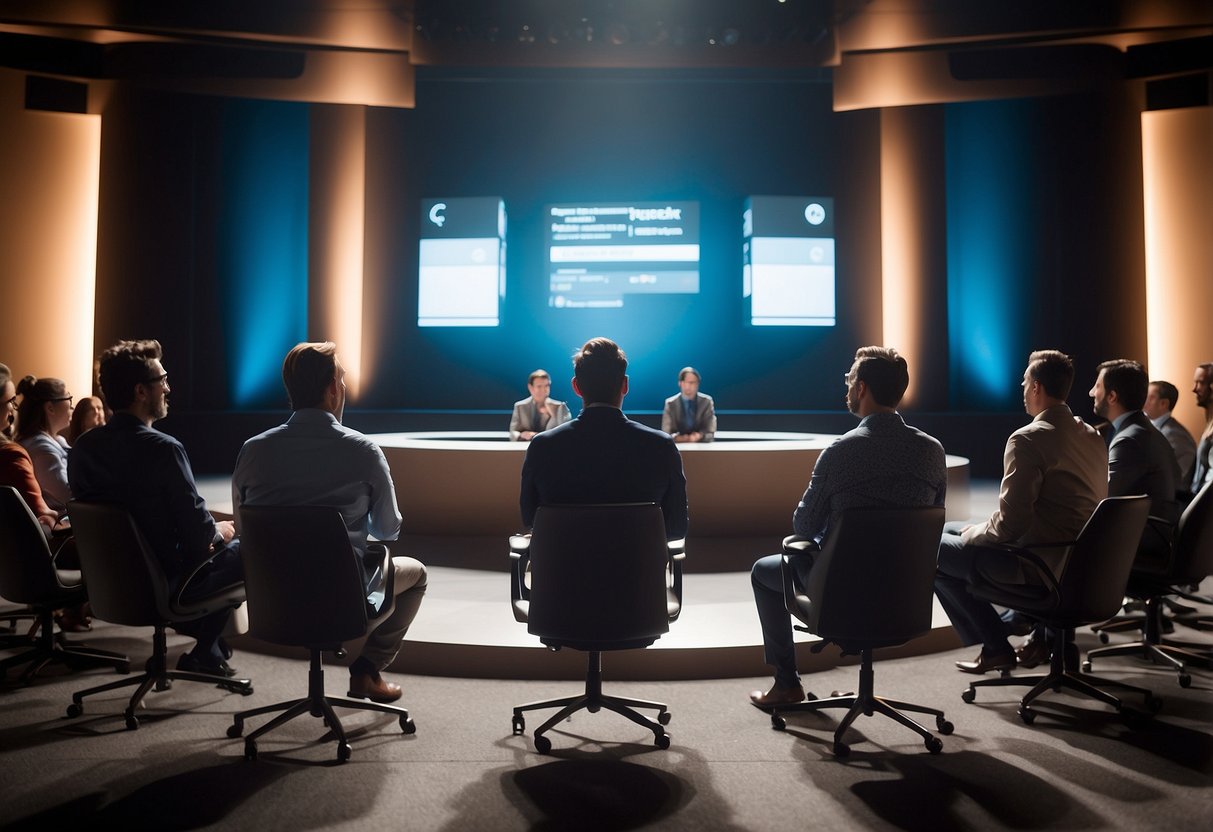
x=600, y=367
x=1167, y=392
x=123, y=367
x=885, y=373
x=307, y=371
x=689, y=370
x=35, y=392
x=1053, y=370
x=538, y=374
x=1128, y=380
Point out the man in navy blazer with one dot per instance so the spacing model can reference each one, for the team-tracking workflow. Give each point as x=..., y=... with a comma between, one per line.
x=602, y=456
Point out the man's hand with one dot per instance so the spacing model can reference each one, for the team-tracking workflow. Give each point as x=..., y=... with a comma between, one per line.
x=226, y=530
x=526, y=435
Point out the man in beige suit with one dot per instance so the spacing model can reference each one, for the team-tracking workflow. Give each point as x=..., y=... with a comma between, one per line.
x=1055, y=471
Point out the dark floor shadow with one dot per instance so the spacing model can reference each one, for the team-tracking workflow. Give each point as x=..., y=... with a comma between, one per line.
x=1066, y=768
x=968, y=790
x=189, y=799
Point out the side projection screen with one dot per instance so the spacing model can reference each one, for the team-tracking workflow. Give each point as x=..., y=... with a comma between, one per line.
x=788, y=250
x=599, y=253
x=461, y=264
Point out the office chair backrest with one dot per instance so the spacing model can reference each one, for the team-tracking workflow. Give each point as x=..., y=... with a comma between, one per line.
x=1096, y=571
x=1192, y=561
x=873, y=581
x=301, y=576
x=126, y=584
x=598, y=575
x=27, y=574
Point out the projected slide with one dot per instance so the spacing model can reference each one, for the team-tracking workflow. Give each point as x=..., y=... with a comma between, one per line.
x=461, y=267
x=788, y=272
x=599, y=253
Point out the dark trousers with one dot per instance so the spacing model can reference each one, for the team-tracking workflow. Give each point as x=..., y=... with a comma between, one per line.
x=779, y=651
x=976, y=621
x=225, y=570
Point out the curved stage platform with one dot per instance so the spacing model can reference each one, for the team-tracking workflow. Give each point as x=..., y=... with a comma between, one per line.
x=458, y=494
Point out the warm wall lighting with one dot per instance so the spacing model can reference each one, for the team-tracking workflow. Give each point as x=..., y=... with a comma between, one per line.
x=1177, y=169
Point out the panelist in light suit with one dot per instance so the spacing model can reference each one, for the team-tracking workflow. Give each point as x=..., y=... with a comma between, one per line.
x=537, y=413
x=602, y=456
x=689, y=416
x=1160, y=401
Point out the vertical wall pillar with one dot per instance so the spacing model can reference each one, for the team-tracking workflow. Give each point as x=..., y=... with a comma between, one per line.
x=337, y=209
x=50, y=164
x=913, y=235
x=1177, y=175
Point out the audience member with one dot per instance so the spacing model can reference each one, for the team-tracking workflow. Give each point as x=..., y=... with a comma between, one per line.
x=1202, y=387
x=881, y=462
x=16, y=469
x=312, y=459
x=1140, y=461
x=128, y=461
x=537, y=412
x=45, y=410
x=1055, y=471
x=1160, y=401
x=689, y=416
x=602, y=456
x=89, y=413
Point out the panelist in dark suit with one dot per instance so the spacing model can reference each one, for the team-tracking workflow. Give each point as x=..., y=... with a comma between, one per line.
x=602, y=456
x=689, y=416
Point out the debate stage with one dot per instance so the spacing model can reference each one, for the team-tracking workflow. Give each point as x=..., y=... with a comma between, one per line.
x=458, y=493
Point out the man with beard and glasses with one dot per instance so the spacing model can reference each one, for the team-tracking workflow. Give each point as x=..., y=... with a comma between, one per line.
x=127, y=461
x=882, y=462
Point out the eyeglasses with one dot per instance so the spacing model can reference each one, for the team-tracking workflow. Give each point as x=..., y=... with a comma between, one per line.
x=67, y=399
x=160, y=379
x=8, y=402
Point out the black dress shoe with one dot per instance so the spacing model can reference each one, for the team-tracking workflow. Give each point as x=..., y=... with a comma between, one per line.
x=984, y=663
x=1033, y=652
x=191, y=664
x=224, y=648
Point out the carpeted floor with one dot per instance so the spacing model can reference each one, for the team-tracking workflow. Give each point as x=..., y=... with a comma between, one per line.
x=1082, y=767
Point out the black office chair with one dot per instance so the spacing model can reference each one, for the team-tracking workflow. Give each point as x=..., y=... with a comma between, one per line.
x=1089, y=588
x=28, y=576
x=871, y=585
x=602, y=577
x=305, y=590
x=128, y=586
x=1191, y=562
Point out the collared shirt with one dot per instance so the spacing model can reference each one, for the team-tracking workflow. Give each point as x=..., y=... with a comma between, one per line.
x=148, y=472
x=49, y=456
x=882, y=462
x=1120, y=420
x=314, y=460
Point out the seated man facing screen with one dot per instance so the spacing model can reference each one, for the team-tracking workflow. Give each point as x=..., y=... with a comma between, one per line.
x=127, y=461
x=602, y=456
x=882, y=462
x=312, y=460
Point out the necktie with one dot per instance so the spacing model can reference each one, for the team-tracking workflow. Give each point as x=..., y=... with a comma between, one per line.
x=688, y=415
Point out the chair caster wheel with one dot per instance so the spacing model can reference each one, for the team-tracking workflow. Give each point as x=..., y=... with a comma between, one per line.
x=75, y=709
x=662, y=741
x=969, y=695
x=778, y=723
x=519, y=725
x=1103, y=637
x=235, y=729
x=132, y=722
x=343, y=752
x=407, y=725
x=250, y=750
x=1185, y=680
x=543, y=745
x=247, y=690
x=943, y=726
x=163, y=685
x=664, y=718
x=1027, y=715
x=1086, y=666
x=841, y=749
x=933, y=744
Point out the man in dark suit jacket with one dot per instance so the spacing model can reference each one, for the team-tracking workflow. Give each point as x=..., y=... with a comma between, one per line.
x=602, y=456
x=1160, y=401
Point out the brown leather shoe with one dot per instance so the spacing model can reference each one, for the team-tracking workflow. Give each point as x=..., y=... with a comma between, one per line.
x=1032, y=652
x=984, y=663
x=776, y=696
x=374, y=687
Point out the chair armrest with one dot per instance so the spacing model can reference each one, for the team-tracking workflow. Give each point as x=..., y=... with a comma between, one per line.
x=794, y=544
x=1028, y=559
x=676, y=551
x=520, y=562
x=793, y=588
x=184, y=585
